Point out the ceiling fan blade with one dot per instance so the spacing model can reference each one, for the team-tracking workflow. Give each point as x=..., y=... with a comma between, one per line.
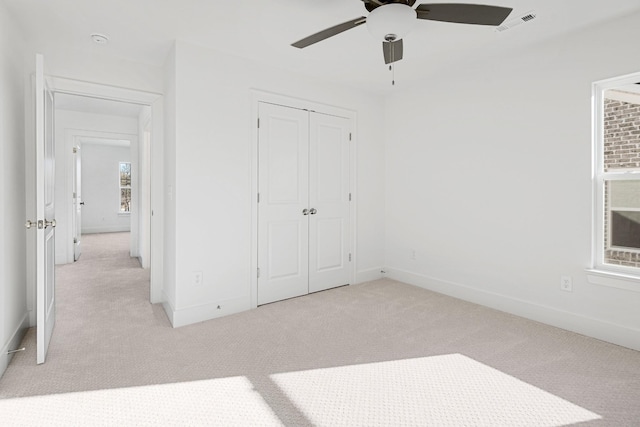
x=392, y=51
x=329, y=32
x=461, y=13
x=372, y=4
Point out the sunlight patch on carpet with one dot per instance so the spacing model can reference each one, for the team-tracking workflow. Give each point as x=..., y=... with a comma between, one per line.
x=225, y=401
x=448, y=390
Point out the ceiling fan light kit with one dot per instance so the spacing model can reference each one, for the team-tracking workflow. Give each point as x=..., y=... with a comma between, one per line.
x=391, y=22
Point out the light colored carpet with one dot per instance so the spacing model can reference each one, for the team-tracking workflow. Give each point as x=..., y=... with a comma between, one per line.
x=378, y=353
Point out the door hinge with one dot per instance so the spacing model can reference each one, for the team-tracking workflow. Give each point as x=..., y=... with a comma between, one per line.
x=349, y=257
x=75, y=240
x=258, y=122
x=258, y=272
x=349, y=196
x=258, y=197
x=74, y=195
x=349, y=136
x=75, y=150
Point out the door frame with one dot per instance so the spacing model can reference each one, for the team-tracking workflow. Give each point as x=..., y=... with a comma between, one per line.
x=156, y=102
x=258, y=96
x=73, y=138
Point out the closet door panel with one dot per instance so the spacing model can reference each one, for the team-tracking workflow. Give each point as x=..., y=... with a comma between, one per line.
x=283, y=186
x=329, y=199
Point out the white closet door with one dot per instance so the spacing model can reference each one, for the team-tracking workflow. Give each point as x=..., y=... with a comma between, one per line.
x=283, y=228
x=329, y=200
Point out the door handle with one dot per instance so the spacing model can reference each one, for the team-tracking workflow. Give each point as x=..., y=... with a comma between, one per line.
x=82, y=203
x=313, y=211
x=40, y=224
x=305, y=211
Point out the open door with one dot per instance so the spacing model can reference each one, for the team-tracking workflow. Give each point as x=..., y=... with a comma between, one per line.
x=77, y=204
x=45, y=222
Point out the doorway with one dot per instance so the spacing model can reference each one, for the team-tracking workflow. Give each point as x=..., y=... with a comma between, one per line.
x=103, y=196
x=304, y=201
x=152, y=127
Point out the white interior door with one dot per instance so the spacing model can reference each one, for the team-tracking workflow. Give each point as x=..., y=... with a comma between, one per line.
x=45, y=210
x=77, y=203
x=303, y=207
x=283, y=228
x=329, y=202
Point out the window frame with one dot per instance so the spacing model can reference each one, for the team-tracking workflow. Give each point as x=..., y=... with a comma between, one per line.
x=599, y=176
x=121, y=187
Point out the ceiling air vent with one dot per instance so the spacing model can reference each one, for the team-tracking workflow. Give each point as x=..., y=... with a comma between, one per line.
x=507, y=25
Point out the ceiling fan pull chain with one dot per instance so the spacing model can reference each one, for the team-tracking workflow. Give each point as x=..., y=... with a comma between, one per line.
x=392, y=67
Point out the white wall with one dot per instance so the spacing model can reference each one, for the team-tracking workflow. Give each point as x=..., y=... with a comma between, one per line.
x=144, y=176
x=100, y=188
x=488, y=181
x=96, y=64
x=13, y=302
x=169, y=168
x=212, y=186
x=70, y=127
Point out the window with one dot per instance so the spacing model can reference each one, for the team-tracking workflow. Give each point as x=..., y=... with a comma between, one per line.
x=617, y=175
x=125, y=187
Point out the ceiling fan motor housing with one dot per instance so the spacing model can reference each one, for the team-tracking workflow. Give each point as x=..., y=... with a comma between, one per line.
x=391, y=22
x=372, y=4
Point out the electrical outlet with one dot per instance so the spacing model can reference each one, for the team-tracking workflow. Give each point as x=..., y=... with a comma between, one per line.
x=196, y=278
x=566, y=284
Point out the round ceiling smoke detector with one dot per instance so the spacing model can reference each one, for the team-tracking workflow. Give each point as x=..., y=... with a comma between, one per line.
x=391, y=22
x=99, y=38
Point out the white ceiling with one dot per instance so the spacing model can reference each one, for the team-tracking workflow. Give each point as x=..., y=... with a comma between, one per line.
x=105, y=141
x=86, y=104
x=262, y=30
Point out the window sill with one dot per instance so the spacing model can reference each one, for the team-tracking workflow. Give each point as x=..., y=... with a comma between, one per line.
x=613, y=279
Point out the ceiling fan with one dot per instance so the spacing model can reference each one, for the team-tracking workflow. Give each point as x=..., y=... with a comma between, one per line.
x=390, y=20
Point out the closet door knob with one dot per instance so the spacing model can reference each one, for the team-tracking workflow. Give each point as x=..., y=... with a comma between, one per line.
x=305, y=211
x=313, y=211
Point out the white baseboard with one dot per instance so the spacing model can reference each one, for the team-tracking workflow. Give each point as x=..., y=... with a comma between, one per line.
x=200, y=313
x=13, y=342
x=107, y=229
x=595, y=328
x=369, y=275
x=167, y=304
